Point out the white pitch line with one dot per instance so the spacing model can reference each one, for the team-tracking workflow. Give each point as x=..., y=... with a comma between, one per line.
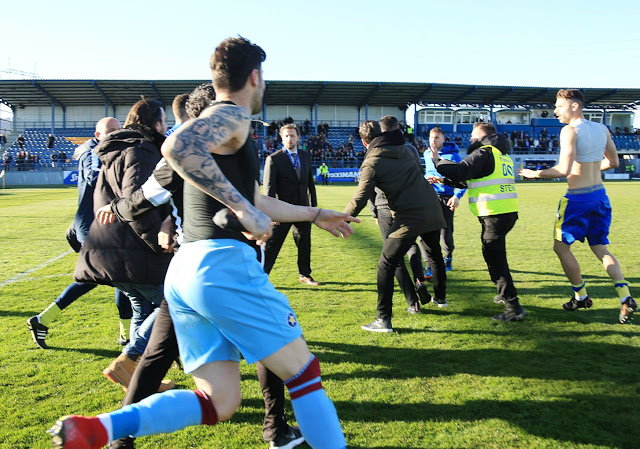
x=18, y=277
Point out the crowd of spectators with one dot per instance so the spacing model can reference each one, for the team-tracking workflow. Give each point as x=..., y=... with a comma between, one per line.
x=543, y=142
x=24, y=160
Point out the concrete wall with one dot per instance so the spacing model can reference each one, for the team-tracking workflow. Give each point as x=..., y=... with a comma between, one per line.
x=33, y=178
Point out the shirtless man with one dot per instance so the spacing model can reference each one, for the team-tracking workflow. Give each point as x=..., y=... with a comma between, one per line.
x=586, y=149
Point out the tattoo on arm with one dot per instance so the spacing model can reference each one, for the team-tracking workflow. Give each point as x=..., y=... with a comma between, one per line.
x=190, y=153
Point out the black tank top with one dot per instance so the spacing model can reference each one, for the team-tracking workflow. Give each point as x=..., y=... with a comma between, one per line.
x=242, y=169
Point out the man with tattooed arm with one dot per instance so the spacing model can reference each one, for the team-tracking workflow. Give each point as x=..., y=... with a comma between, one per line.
x=221, y=312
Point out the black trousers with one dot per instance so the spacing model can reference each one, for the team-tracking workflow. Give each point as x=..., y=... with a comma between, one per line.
x=325, y=180
x=407, y=284
x=494, y=249
x=393, y=251
x=446, y=235
x=162, y=350
x=302, y=239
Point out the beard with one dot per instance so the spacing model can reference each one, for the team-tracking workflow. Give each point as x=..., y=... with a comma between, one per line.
x=256, y=102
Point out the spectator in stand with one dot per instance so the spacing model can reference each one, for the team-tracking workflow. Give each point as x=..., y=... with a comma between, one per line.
x=544, y=133
x=50, y=141
x=20, y=158
x=306, y=127
x=54, y=158
x=62, y=157
x=3, y=140
x=7, y=158
x=31, y=161
x=20, y=141
x=272, y=129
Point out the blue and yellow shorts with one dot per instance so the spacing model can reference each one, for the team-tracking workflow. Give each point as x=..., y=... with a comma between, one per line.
x=584, y=213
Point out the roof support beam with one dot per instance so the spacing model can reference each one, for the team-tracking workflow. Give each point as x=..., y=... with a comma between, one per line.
x=54, y=101
x=605, y=95
x=365, y=102
x=316, y=98
x=536, y=95
x=460, y=97
x=500, y=95
x=155, y=89
x=48, y=95
x=422, y=94
x=107, y=100
x=314, y=106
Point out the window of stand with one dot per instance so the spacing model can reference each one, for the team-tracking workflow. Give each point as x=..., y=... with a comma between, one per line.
x=435, y=116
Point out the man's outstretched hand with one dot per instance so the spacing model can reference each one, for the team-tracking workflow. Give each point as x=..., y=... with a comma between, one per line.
x=337, y=223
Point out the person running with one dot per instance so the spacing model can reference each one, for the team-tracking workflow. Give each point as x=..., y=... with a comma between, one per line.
x=586, y=149
x=233, y=309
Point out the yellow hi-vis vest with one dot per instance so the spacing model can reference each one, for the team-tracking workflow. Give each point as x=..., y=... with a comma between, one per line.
x=494, y=194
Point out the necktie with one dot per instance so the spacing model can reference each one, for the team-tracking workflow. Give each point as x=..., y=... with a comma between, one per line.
x=296, y=164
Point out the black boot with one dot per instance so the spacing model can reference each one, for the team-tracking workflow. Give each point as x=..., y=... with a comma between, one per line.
x=513, y=312
x=123, y=443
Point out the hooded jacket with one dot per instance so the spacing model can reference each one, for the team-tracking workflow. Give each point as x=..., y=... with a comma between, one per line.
x=124, y=252
x=395, y=169
x=478, y=163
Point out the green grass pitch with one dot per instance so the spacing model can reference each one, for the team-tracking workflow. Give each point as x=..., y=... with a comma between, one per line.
x=447, y=378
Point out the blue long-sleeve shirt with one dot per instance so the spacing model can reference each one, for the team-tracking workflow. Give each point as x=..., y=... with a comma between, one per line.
x=450, y=151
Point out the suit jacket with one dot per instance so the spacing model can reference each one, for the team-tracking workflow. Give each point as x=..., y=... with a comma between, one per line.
x=281, y=181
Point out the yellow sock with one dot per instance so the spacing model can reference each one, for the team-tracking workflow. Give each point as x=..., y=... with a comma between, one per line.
x=580, y=290
x=124, y=328
x=50, y=314
x=622, y=287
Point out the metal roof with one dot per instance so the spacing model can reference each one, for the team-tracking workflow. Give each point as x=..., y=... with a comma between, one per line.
x=39, y=92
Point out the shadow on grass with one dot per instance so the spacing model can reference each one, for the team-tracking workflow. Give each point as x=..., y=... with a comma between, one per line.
x=553, y=359
x=17, y=313
x=106, y=353
x=567, y=419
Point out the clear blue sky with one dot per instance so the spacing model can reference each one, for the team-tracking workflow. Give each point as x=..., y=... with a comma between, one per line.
x=538, y=43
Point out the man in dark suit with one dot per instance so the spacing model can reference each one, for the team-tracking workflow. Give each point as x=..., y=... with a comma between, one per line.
x=288, y=177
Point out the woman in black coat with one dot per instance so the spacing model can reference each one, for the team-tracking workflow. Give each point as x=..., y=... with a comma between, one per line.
x=126, y=255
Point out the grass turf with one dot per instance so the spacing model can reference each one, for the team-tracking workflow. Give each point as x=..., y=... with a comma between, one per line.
x=447, y=378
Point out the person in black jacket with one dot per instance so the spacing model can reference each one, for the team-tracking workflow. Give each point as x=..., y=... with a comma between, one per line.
x=288, y=177
x=127, y=255
x=395, y=168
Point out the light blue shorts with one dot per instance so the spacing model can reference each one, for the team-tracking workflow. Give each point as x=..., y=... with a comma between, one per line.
x=584, y=213
x=222, y=304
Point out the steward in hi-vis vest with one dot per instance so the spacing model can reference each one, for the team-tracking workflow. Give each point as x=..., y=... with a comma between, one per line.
x=494, y=194
x=489, y=174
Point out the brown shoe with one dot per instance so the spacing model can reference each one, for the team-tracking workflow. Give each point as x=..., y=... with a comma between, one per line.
x=121, y=370
x=308, y=280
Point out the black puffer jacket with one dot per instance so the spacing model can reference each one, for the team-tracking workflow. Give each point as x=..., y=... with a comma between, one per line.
x=125, y=252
